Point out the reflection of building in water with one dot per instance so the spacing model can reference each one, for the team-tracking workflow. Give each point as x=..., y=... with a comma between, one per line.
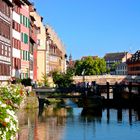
x=46, y=127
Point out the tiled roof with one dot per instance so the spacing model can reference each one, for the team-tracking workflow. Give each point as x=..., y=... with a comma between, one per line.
x=84, y=57
x=114, y=56
x=135, y=57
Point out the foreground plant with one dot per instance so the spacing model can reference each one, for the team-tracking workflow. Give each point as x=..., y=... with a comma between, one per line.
x=12, y=94
x=8, y=122
x=11, y=97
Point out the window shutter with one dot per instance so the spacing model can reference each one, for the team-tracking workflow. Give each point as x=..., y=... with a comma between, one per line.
x=20, y=18
x=28, y=23
x=25, y=38
x=22, y=37
x=28, y=56
x=23, y=55
x=23, y=20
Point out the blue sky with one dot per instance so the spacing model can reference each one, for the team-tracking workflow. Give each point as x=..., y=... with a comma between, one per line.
x=93, y=27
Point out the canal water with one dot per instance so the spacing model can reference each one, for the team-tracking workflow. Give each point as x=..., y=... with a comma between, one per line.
x=73, y=123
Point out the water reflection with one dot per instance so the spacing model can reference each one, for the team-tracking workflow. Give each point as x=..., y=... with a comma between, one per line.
x=57, y=123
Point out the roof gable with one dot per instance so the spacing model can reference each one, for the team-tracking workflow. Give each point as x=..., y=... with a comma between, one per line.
x=114, y=56
x=135, y=57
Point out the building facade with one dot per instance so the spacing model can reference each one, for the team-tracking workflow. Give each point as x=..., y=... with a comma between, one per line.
x=57, y=52
x=33, y=46
x=133, y=64
x=28, y=49
x=16, y=39
x=121, y=69
x=113, y=59
x=41, y=45
x=5, y=39
x=25, y=47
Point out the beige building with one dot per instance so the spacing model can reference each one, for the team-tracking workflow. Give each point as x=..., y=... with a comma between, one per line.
x=41, y=46
x=116, y=58
x=50, y=49
x=57, y=52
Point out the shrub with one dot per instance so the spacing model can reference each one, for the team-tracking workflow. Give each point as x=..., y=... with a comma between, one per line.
x=8, y=122
x=10, y=99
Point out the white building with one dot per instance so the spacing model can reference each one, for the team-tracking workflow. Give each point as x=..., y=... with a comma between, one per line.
x=121, y=69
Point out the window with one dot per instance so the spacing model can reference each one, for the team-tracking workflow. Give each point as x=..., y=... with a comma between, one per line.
x=4, y=69
x=4, y=8
x=25, y=21
x=5, y=50
x=24, y=38
x=4, y=29
x=25, y=55
x=16, y=43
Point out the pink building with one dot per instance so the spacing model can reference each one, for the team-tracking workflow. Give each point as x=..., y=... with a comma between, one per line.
x=25, y=25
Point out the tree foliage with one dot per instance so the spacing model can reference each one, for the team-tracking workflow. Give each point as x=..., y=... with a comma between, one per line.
x=45, y=79
x=62, y=80
x=90, y=66
x=70, y=71
x=114, y=65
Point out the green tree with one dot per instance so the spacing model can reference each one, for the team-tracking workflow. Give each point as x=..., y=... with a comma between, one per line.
x=114, y=65
x=45, y=80
x=78, y=67
x=71, y=71
x=62, y=79
x=102, y=66
x=90, y=66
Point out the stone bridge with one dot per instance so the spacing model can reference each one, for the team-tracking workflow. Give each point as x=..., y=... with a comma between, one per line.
x=102, y=79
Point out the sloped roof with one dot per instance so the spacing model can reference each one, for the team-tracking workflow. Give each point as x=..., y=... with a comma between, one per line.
x=9, y=2
x=114, y=56
x=135, y=57
x=84, y=57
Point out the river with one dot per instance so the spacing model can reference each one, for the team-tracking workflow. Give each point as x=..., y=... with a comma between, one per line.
x=73, y=123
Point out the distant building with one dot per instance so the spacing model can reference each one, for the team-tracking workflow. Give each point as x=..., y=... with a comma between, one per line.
x=57, y=52
x=41, y=45
x=121, y=69
x=134, y=64
x=115, y=58
x=70, y=62
x=84, y=57
x=5, y=39
x=33, y=45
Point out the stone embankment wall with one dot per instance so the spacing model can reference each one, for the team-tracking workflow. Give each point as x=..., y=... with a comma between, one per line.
x=102, y=79
x=29, y=102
